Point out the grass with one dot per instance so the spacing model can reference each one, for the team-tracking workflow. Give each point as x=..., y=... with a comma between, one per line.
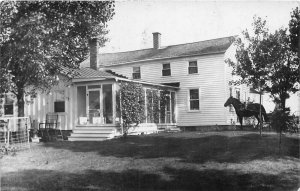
x=229, y=160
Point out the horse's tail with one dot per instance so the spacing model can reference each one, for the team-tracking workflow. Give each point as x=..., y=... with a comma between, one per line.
x=266, y=117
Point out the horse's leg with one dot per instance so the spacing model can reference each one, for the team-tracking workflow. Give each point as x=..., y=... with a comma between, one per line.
x=258, y=120
x=241, y=121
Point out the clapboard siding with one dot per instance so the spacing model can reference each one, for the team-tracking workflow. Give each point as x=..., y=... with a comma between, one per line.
x=44, y=103
x=211, y=79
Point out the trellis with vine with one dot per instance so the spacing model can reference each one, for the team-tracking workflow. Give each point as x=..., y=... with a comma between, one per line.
x=131, y=104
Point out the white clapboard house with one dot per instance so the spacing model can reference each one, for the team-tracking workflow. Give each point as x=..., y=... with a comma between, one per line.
x=194, y=74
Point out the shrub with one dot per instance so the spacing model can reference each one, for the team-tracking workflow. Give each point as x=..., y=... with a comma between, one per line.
x=282, y=121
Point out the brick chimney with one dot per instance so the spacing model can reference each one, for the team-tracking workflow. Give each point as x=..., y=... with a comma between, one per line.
x=93, y=45
x=156, y=40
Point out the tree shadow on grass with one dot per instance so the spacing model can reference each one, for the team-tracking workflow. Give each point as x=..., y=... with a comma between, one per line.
x=179, y=179
x=196, y=150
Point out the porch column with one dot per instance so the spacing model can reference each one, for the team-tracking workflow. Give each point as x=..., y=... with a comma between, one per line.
x=101, y=105
x=114, y=99
x=146, y=114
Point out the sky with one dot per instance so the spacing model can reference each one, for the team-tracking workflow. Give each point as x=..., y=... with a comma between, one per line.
x=188, y=21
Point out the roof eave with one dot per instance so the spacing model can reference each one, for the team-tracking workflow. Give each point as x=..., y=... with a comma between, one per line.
x=164, y=58
x=91, y=79
x=146, y=83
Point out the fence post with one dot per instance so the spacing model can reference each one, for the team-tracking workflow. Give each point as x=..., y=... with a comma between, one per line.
x=27, y=129
x=7, y=130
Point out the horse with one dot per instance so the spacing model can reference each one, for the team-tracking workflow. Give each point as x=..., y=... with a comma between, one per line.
x=252, y=109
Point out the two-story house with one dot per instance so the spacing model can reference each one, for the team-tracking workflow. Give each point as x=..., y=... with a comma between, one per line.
x=194, y=74
x=198, y=69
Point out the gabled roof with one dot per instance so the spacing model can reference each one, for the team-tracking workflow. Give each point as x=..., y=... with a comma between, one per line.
x=89, y=74
x=219, y=45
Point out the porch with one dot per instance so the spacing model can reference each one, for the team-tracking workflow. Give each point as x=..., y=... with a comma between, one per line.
x=98, y=114
x=96, y=117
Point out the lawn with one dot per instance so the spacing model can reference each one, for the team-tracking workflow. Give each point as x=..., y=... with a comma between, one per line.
x=230, y=160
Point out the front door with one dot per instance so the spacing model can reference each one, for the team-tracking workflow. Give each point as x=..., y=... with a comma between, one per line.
x=93, y=110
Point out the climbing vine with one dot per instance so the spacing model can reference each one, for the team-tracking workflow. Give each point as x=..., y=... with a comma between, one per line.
x=163, y=99
x=132, y=104
x=150, y=112
x=153, y=105
x=156, y=109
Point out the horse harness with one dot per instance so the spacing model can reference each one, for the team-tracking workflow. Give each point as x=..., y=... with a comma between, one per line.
x=244, y=107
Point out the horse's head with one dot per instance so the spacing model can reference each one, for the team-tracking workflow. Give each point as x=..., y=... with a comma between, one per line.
x=229, y=101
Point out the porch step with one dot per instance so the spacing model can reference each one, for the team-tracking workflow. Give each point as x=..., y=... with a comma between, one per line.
x=86, y=139
x=95, y=126
x=92, y=133
x=167, y=128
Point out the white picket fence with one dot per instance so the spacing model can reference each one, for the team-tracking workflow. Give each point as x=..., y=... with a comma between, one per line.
x=14, y=132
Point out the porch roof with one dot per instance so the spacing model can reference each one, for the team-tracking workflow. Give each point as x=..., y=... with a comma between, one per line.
x=88, y=74
x=148, y=83
x=91, y=73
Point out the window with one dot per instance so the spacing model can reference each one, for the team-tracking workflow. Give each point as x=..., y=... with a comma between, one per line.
x=94, y=87
x=8, y=105
x=230, y=106
x=173, y=102
x=238, y=93
x=59, y=103
x=136, y=73
x=59, y=106
x=194, y=99
x=166, y=71
x=107, y=103
x=193, y=68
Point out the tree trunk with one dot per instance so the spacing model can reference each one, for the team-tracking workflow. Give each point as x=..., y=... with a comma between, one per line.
x=283, y=100
x=280, y=133
x=20, y=100
x=260, y=117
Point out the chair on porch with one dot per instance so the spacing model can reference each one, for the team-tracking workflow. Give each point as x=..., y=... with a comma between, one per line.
x=49, y=128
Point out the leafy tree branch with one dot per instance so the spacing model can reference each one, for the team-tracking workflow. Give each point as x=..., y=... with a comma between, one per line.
x=41, y=39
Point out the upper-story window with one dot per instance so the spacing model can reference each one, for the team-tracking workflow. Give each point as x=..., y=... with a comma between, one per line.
x=8, y=104
x=193, y=68
x=194, y=99
x=136, y=74
x=166, y=71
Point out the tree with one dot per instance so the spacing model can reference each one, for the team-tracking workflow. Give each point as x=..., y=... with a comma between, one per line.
x=294, y=29
x=41, y=39
x=284, y=68
x=266, y=61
